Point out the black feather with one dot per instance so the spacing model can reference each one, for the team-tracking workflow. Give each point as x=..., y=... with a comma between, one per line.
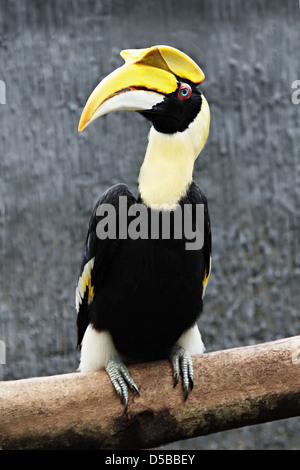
x=147, y=292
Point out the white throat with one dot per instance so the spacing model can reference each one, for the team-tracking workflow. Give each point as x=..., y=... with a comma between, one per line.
x=167, y=170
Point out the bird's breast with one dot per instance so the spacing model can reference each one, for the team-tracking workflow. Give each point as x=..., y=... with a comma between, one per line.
x=151, y=294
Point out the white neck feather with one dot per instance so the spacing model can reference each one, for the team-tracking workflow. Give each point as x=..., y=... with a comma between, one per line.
x=167, y=170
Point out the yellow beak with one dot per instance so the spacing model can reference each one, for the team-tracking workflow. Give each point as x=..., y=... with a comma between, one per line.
x=141, y=83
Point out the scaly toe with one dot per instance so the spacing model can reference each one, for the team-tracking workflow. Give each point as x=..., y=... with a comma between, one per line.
x=120, y=378
x=182, y=362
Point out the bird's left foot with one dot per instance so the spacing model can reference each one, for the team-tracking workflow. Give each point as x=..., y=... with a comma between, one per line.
x=182, y=362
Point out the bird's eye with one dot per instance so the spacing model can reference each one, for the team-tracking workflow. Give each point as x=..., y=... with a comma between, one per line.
x=184, y=92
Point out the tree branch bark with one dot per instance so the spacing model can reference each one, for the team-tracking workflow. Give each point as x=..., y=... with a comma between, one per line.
x=233, y=388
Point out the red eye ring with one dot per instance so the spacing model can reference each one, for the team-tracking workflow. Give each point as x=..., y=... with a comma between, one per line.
x=184, y=91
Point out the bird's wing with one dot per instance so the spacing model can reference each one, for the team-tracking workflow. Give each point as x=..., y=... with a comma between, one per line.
x=97, y=255
x=196, y=196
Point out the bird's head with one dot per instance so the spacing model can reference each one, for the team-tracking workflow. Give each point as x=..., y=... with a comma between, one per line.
x=160, y=82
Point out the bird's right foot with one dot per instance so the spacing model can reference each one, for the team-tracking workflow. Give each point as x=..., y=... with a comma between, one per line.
x=120, y=378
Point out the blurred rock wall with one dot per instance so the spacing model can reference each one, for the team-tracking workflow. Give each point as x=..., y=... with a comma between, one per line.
x=52, y=54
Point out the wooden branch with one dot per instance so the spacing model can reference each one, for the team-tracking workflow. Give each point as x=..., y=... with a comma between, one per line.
x=233, y=388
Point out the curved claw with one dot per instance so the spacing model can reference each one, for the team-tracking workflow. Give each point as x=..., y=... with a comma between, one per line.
x=182, y=362
x=120, y=378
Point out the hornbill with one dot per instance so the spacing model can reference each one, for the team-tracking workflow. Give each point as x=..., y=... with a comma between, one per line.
x=139, y=298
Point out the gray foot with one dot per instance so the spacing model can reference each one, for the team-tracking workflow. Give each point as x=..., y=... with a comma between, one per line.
x=120, y=378
x=182, y=362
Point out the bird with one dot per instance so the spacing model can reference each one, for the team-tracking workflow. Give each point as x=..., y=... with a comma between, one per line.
x=138, y=298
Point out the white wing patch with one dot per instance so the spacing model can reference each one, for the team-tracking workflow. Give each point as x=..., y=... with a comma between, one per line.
x=96, y=350
x=84, y=282
x=192, y=341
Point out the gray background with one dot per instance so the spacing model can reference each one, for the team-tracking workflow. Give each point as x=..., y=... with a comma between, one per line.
x=52, y=54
